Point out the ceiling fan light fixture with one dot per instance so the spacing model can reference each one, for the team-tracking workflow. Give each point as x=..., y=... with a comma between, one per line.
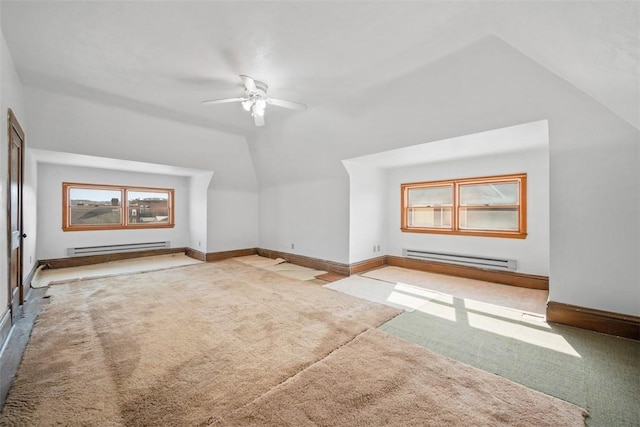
x=247, y=105
x=255, y=100
x=259, y=107
x=257, y=111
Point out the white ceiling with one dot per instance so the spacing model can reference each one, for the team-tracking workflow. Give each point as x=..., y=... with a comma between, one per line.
x=525, y=137
x=82, y=160
x=163, y=58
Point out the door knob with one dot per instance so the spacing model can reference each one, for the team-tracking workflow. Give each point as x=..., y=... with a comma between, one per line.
x=24, y=235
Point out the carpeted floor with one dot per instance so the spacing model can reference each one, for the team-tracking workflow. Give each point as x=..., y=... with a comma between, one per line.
x=595, y=371
x=378, y=379
x=281, y=267
x=219, y=342
x=44, y=277
x=485, y=325
x=522, y=299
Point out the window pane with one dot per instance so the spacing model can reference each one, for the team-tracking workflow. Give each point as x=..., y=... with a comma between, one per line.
x=148, y=207
x=429, y=217
x=504, y=193
x=431, y=196
x=94, y=207
x=489, y=219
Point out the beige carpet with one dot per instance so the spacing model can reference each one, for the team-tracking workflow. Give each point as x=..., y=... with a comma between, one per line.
x=379, y=379
x=176, y=347
x=45, y=277
x=201, y=344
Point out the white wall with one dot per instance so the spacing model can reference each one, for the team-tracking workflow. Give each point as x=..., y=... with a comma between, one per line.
x=375, y=181
x=594, y=163
x=531, y=253
x=30, y=212
x=304, y=190
x=232, y=219
x=11, y=96
x=75, y=125
x=312, y=215
x=368, y=211
x=593, y=158
x=198, y=195
x=53, y=242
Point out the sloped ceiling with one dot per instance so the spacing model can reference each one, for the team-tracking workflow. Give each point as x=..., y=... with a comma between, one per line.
x=163, y=58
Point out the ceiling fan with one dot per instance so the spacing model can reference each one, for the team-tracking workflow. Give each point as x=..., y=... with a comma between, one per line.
x=255, y=100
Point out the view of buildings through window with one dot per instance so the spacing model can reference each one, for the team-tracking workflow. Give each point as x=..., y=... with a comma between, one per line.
x=489, y=206
x=88, y=206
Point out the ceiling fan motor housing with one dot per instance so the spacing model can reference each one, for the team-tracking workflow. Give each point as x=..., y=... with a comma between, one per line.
x=260, y=92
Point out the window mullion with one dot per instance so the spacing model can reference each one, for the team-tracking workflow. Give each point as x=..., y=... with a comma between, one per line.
x=125, y=206
x=456, y=206
x=67, y=206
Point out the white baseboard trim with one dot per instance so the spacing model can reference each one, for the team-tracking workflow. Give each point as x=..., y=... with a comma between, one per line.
x=5, y=329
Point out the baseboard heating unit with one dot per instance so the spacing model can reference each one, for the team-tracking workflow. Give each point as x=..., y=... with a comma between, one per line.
x=470, y=260
x=113, y=249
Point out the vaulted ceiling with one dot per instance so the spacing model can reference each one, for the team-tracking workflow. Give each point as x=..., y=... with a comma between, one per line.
x=163, y=58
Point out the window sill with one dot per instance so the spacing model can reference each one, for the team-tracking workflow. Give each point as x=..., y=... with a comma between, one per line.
x=500, y=234
x=119, y=227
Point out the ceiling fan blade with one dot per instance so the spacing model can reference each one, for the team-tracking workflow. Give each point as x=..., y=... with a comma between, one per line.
x=286, y=104
x=259, y=120
x=249, y=83
x=223, y=101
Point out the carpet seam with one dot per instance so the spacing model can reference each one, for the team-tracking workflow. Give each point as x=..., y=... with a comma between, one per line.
x=315, y=362
x=108, y=360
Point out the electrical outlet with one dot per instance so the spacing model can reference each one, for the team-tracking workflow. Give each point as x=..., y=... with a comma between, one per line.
x=374, y=248
x=293, y=246
x=378, y=247
x=199, y=243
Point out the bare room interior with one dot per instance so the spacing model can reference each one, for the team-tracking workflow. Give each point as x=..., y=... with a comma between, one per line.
x=320, y=213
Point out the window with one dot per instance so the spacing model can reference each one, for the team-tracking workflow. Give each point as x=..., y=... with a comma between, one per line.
x=111, y=207
x=490, y=206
